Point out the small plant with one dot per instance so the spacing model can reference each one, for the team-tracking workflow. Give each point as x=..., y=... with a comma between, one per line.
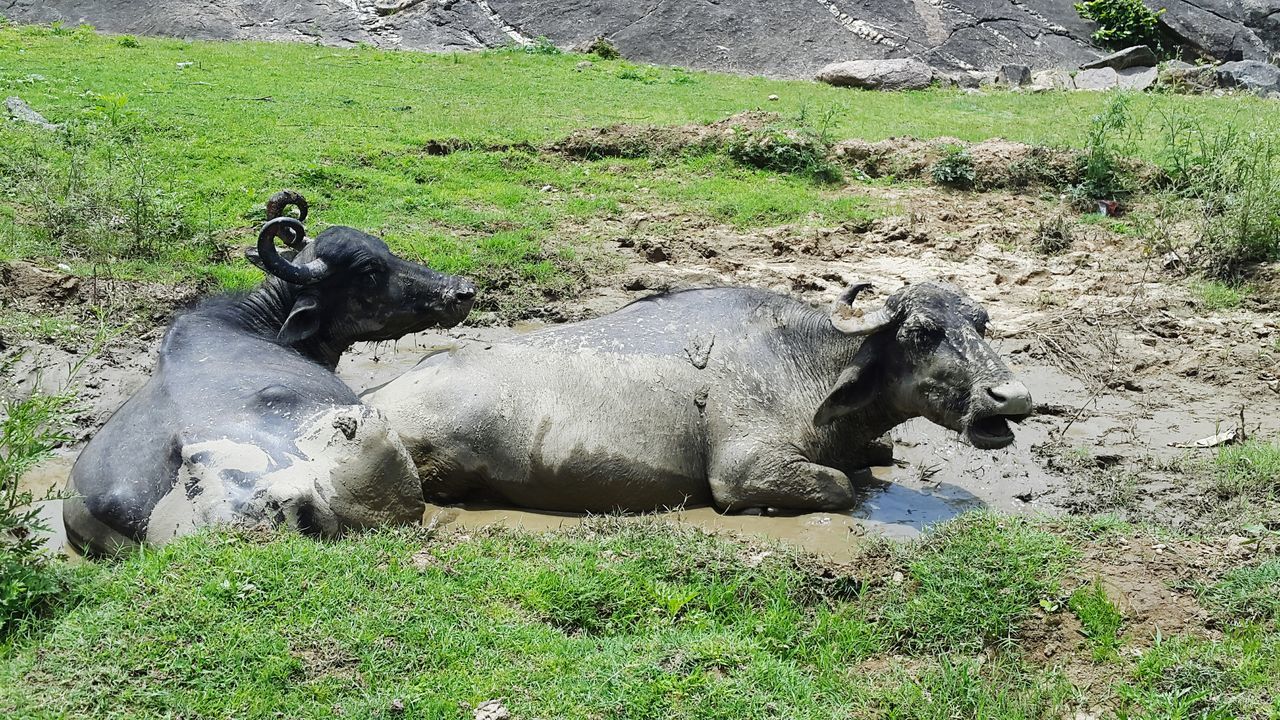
x=1101, y=172
x=1217, y=295
x=1249, y=470
x=30, y=429
x=542, y=45
x=1054, y=235
x=954, y=169
x=1099, y=618
x=603, y=49
x=128, y=41
x=1233, y=179
x=1122, y=23
x=1248, y=593
x=801, y=150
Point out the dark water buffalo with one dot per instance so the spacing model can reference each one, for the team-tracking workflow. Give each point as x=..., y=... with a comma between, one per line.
x=244, y=421
x=735, y=396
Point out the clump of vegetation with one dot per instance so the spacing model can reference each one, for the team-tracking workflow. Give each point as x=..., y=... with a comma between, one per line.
x=1053, y=235
x=542, y=45
x=1250, y=470
x=1248, y=593
x=95, y=195
x=128, y=41
x=30, y=429
x=954, y=169
x=1122, y=23
x=800, y=148
x=1099, y=619
x=1100, y=167
x=973, y=581
x=603, y=49
x=1233, y=178
x=1217, y=295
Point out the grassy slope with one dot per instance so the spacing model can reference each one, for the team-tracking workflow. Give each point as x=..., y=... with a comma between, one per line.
x=349, y=128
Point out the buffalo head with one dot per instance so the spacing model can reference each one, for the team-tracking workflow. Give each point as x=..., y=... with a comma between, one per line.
x=924, y=354
x=348, y=285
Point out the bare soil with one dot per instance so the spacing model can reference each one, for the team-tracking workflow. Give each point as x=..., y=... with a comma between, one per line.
x=1122, y=357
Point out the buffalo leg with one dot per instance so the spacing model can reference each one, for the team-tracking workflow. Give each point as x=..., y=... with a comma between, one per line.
x=747, y=481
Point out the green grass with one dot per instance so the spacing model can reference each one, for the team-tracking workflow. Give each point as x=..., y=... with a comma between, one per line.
x=618, y=619
x=1218, y=295
x=1099, y=618
x=1251, y=592
x=1250, y=470
x=172, y=146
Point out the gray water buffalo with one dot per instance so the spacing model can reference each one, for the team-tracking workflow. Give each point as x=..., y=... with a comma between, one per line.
x=244, y=421
x=734, y=396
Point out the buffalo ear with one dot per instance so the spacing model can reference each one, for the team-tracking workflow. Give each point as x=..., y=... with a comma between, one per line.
x=853, y=390
x=303, y=321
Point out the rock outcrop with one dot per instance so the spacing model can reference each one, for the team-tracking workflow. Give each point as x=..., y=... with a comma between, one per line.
x=789, y=38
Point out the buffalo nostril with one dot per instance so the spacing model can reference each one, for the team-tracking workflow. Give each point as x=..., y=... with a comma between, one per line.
x=1011, y=398
x=466, y=292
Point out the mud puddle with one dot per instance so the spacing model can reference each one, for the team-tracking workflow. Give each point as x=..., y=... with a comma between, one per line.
x=1119, y=354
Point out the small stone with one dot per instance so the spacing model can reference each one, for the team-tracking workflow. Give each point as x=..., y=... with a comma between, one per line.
x=185, y=65
x=897, y=577
x=1014, y=75
x=492, y=710
x=584, y=65
x=22, y=112
x=897, y=74
x=397, y=706
x=1056, y=79
x=773, y=97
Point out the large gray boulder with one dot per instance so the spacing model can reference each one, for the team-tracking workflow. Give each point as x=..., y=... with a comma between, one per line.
x=878, y=74
x=1223, y=29
x=1252, y=75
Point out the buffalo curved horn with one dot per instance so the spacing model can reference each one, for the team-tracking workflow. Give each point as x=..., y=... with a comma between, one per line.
x=277, y=203
x=865, y=325
x=293, y=234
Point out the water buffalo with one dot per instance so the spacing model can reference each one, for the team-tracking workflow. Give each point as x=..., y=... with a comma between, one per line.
x=244, y=422
x=740, y=397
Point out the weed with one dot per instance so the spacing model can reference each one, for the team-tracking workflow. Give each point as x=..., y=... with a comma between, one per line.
x=1122, y=23
x=802, y=149
x=954, y=169
x=128, y=41
x=30, y=429
x=1233, y=176
x=542, y=45
x=1250, y=469
x=1053, y=235
x=1099, y=618
x=1102, y=175
x=602, y=48
x=1217, y=295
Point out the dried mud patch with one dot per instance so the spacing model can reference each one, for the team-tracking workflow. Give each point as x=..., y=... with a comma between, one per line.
x=625, y=140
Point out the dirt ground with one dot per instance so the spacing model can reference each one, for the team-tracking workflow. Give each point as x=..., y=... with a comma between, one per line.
x=1121, y=356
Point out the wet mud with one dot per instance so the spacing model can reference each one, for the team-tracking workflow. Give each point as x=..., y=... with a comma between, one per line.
x=1122, y=358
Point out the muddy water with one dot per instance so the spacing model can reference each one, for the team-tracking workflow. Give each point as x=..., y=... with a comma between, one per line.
x=936, y=476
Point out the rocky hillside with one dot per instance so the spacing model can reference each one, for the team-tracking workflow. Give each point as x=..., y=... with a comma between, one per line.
x=772, y=37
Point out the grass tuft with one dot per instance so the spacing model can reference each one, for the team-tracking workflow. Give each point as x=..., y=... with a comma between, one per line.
x=1099, y=618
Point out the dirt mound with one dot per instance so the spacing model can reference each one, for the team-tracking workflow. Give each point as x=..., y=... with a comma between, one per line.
x=626, y=140
x=996, y=163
